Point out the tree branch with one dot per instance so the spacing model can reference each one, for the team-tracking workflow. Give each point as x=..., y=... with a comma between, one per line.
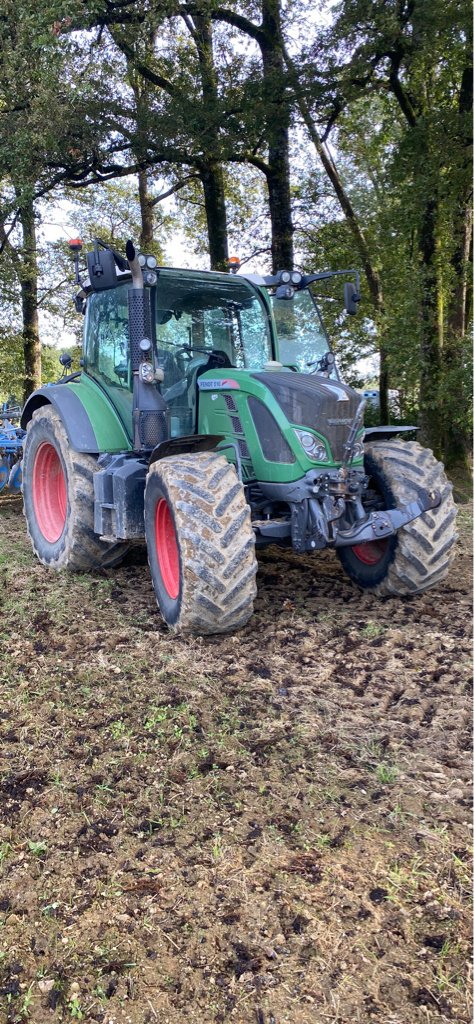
x=5, y=238
x=175, y=188
x=231, y=18
x=401, y=96
x=143, y=69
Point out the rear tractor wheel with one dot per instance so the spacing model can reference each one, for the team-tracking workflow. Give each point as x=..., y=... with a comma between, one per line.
x=58, y=497
x=201, y=545
x=419, y=555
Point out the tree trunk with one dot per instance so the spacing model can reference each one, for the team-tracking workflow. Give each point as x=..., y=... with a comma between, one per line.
x=280, y=209
x=140, y=142
x=216, y=218
x=277, y=136
x=276, y=122
x=456, y=435
x=430, y=356
x=210, y=169
x=458, y=313
x=146, y=211
x=373, y=280
x=456, y=438
x=28, y=274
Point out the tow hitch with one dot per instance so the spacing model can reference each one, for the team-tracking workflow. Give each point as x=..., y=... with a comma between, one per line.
x=383, y=524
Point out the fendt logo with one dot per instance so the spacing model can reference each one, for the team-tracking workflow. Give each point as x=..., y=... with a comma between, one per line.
x=211, y=385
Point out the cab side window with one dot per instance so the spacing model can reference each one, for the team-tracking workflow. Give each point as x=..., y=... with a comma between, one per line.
x=106, y=337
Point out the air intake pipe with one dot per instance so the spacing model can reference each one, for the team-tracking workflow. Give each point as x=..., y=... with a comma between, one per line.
x=150, y=425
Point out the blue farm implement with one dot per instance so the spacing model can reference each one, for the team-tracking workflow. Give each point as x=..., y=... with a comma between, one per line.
x=11, y=449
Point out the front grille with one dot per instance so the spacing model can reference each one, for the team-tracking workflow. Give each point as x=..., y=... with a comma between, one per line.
x=309, y=400
x=274, y=446
x=229, y=401
x=152, y=428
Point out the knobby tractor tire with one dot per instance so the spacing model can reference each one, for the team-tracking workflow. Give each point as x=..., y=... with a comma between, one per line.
x=419, y=555
x=58, y=499
x=201, y=545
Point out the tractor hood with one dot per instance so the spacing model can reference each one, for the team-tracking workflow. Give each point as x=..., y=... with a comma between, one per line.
x=314, y=401
x=282, y=424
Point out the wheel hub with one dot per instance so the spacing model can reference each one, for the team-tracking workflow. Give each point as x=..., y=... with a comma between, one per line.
x=49, y=492
x=372, y=552
x=167, y=548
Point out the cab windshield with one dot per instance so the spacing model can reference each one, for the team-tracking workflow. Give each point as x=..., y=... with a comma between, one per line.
x=195, y=317
x=301, y=338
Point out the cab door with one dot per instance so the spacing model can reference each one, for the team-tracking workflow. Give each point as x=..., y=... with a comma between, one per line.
x=107, y=349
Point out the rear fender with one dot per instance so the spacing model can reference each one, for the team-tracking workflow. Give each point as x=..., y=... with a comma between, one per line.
x=90, y=421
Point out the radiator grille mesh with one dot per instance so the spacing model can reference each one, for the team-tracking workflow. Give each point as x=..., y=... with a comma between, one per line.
x=244, y=450
x=153, y=428
x=274, y=446
x=236, y=425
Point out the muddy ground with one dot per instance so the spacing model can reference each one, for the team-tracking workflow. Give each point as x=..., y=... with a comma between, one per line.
x=270, y=828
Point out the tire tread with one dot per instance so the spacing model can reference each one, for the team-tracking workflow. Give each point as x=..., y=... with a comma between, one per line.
x=215, y=538
x=83, y=550
x=426, y=546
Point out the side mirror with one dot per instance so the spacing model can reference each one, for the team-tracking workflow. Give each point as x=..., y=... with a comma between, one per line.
x=79, y=301
x=351, y=298
x=101, y=269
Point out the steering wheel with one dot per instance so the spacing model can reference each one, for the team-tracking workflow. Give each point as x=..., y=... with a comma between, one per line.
x=191, y=349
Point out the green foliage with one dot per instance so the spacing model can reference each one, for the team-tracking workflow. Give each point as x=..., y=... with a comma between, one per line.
x=186, y=95
x=112, y=212
x=399, y=77
x=12, y=365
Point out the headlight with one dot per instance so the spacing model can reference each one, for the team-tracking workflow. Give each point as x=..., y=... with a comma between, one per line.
x=296, y=277
x=147, y=372
x=150, y=277
x=357, y=450
x=285, y=276
x=313, y=448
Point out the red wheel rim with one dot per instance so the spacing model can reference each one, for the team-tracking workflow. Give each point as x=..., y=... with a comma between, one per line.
x=49, y=492
x=167, y=548
x=372, y=552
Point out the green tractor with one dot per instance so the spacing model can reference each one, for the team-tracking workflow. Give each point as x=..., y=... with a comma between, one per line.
x=208, y=420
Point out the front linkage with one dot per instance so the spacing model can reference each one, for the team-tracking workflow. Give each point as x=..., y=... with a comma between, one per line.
x=327, y=510
x=327, y=507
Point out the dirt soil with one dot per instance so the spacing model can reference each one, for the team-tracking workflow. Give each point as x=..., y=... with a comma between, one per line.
x=267, y=828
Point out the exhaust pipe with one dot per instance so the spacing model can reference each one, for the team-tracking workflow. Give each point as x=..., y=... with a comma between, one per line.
x=135, y=268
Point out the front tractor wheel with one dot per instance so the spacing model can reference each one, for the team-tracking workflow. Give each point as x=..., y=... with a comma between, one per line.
x=58, y=497
x=420, y=554
x=201, y=545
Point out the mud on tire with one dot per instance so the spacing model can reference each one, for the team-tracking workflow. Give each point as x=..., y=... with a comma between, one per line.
x=58, y=499
x=420, y=554
x=201, y=545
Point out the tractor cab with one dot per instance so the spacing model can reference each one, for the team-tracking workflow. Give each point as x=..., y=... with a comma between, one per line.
x=196, y=322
